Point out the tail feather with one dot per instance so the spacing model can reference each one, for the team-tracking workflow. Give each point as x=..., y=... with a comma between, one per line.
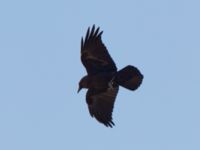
x=129, y=77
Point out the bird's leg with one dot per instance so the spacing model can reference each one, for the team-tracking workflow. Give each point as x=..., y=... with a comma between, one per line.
x=110, y=84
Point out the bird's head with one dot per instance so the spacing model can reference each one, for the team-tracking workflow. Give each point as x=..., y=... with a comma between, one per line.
x=83, y=83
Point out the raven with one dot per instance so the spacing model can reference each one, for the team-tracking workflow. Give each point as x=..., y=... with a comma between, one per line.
x=103, y=79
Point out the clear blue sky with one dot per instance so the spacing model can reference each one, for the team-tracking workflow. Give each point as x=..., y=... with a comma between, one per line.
x=40, y=69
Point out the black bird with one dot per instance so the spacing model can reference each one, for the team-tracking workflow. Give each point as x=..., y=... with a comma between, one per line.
x=103, y=79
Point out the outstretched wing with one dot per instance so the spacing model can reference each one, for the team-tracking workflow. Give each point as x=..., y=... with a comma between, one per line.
x=129, y=77
x=94, y=55
x=101, y=103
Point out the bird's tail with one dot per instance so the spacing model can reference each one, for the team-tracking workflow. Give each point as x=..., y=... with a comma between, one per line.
x=129, y=77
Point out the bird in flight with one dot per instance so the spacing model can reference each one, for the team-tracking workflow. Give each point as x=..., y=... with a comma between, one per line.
x=103, y=79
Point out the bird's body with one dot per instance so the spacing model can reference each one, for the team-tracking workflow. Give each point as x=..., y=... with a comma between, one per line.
x=98, y=81
x=103, y=79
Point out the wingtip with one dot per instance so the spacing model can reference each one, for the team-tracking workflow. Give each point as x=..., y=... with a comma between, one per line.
x=99, y=35
x=93, y=26
x=87, y=34
x=92, y=32
x=96, y=32
x=110, y=124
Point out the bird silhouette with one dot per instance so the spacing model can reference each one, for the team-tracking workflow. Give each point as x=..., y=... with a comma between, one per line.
x=103, y=79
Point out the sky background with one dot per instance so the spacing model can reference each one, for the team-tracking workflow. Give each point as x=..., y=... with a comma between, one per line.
x=40, y=69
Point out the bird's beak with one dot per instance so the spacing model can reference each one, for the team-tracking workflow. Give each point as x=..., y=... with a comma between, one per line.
x=79, y=89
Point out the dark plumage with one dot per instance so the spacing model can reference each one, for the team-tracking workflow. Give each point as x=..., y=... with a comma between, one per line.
x=103, y=79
